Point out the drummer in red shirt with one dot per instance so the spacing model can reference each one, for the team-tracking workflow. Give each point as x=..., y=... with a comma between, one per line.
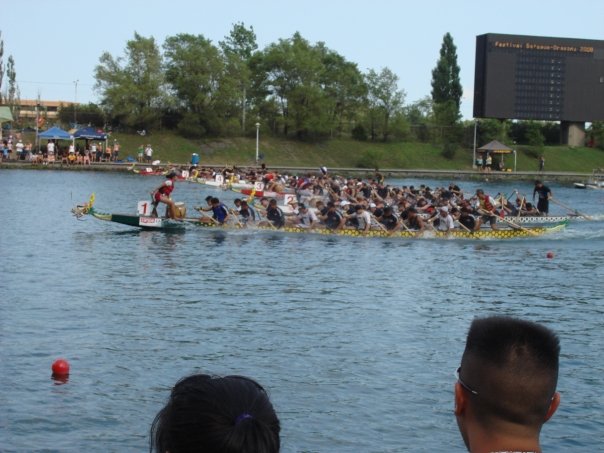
x=162, y=195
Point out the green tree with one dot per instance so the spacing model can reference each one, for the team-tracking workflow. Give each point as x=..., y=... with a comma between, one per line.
x=446, y=95
x=287, y=75
x=87, y=113
x=533, y=134
x=238, y=48
x=12, y=93
x=492, y=129
x=343, y=87
x=384, y=101
x=195, y=71
x=131, y=86
x=419, y=115
x=596, y=132
x=446, y=86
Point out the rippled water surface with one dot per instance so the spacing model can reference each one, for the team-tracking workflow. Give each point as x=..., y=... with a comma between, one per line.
x=355, y=339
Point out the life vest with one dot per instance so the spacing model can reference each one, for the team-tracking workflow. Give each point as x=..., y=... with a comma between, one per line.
x=485, y=203
x=167, y=188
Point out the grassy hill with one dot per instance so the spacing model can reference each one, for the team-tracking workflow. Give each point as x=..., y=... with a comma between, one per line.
x=341, y=153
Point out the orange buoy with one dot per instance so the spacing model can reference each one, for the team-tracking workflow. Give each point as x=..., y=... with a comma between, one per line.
x=60, y=367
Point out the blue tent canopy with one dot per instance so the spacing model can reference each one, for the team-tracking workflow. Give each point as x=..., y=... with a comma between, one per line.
x=90, y=133
x=55, y=133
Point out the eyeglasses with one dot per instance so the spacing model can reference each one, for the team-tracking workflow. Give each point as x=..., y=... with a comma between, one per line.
x=463, y=384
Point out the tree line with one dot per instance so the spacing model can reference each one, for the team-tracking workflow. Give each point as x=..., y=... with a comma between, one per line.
x=293, y=88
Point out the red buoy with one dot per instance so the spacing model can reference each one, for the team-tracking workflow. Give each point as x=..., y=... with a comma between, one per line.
x=60, y=367
x=550, y=255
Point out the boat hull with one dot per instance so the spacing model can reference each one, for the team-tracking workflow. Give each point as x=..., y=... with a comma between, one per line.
x=162, y=223
x=144, y=222
x=485, y=233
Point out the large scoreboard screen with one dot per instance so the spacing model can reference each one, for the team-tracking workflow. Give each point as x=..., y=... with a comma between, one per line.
x=539, y=78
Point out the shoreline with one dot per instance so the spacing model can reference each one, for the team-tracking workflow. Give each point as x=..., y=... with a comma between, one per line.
x=470, y=175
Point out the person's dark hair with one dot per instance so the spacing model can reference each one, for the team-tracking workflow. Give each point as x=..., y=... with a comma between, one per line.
x=214, y=200
x=513, y=366
x=230, y=414
x=209, y=198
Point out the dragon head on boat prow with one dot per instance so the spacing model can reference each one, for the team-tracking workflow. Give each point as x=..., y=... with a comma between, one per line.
x=82, y=209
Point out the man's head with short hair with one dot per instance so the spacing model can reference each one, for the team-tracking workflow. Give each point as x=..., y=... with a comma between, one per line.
x=507, y=384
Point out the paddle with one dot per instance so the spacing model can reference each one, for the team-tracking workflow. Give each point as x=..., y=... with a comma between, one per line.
x=204, y=218
x=236, y=217
x=382, y=227
x=464, y=227
x=510, y=223
x=570, y=209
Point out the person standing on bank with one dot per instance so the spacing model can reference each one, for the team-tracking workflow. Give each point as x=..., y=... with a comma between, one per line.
x=545, y=194
x=506, y=385
x=541, y=163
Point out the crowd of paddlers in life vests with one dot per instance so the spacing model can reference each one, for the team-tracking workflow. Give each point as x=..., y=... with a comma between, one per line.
x=335, y=202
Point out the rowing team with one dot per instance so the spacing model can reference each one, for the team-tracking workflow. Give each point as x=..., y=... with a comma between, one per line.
x=344, y=215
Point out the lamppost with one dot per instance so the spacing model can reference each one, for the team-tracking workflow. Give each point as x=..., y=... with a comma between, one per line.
x=474, y=151
x=257, y=141
x=75, y=102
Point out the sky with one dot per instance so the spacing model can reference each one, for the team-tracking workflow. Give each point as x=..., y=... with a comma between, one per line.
x=56, y=44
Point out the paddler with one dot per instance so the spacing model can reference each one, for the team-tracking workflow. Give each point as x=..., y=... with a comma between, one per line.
x=305, y=217
x=332, y=219
x=220, y=212
x=363, y=218
x=467, y=219
x=274, y=214
x=486, y=207
x=390, y=221
x=414, y=222
x=246, y=213
x=162, y=195
x=445, y=221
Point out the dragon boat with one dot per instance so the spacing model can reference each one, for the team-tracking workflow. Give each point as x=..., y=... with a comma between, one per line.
x=147, y=222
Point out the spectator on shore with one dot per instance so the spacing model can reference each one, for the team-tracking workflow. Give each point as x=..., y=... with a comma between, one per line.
x=506, y=387
x=209, y=414
x=94, y=153
x=116, y=151
x=50, y=149
x=148, y=153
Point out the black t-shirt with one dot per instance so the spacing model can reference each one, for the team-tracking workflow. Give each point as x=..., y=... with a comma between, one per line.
x=468, y=221
x=275, y=215
x=389, y=221
x=333, y=219
x=543, y=192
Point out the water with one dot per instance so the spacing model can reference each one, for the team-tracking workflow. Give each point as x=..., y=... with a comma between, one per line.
x=356, y=340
